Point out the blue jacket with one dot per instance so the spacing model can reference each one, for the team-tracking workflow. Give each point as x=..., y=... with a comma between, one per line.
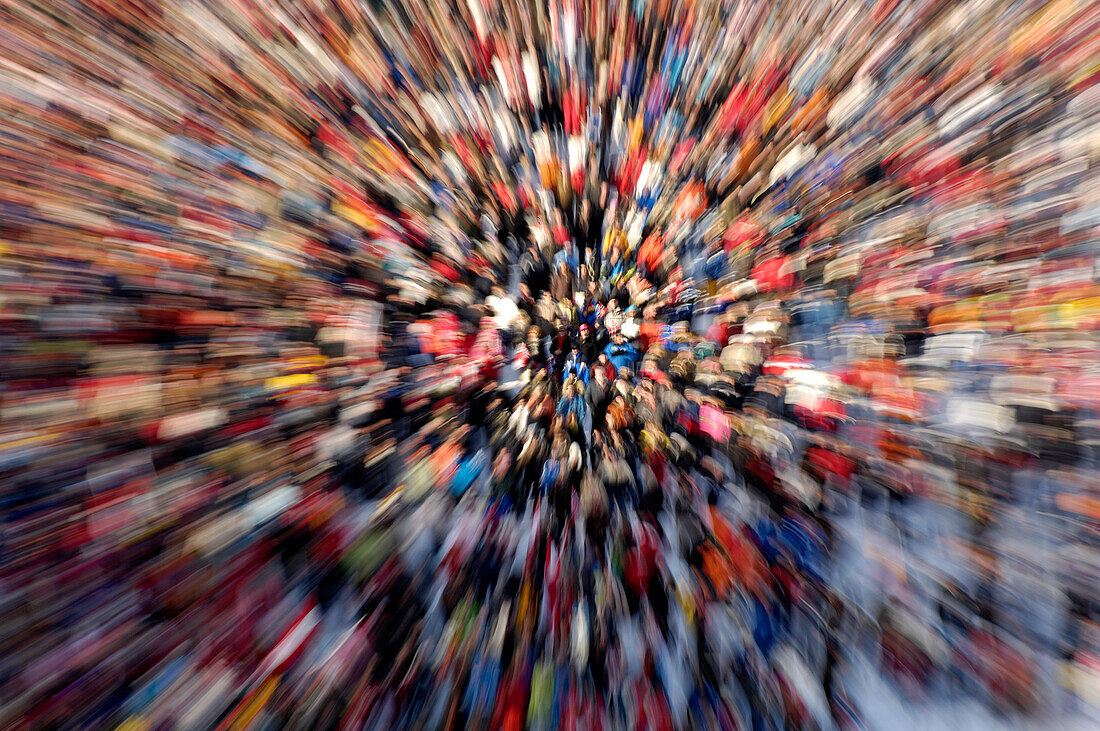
x=589, y=315
x=467, y=474
x=573, y=261
x=575, y=366
x=621, y=356
x=574, y=405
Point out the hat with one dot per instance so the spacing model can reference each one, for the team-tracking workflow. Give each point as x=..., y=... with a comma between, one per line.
x=585, y=327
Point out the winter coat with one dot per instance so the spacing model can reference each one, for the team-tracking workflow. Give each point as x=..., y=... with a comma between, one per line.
x=622, y=355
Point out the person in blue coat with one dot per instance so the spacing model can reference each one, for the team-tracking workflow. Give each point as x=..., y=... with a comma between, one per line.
x=621, y=353
x=572, y=403
x=589, y=313
x=575, y=366
x=568, y=254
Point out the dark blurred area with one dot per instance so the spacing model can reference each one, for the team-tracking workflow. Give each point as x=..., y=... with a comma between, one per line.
x=634, y=364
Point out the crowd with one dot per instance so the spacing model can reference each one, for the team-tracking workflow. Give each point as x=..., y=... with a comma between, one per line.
x=500, y=364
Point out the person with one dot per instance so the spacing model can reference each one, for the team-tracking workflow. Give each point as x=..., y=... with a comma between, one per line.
x=606, y=365
x=631, y=326
x=620, y=353
x=614, y=317
x=568, y=255
x=588, y=311
x=561, y=284
x=573, y=409
x=505, y=313
x=534, y=272
x=576, y=366
x=588, y=345
x=545, y=311
x=560, y=345
x=598, y=394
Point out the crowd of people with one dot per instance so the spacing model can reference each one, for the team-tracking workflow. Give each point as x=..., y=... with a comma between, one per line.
x=499, y=364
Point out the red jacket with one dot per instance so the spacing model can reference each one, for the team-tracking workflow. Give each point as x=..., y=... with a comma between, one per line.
x=769, y=277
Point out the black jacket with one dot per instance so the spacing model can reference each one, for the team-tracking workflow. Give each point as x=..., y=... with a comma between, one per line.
x=598, y=398
x=534, y=271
